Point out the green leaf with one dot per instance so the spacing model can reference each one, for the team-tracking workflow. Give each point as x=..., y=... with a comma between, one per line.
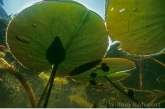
x=118, y=76
x=81, y=36
x=110, y=67
x=138, y=24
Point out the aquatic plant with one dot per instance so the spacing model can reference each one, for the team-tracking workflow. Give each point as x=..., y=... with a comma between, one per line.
x=8, y=68
x=139, y=28
x=55, y=40
x=72, y=40
x=137, y=23
x=64, y=41
x=4, y=65
x=59, y=81
x=109, y=67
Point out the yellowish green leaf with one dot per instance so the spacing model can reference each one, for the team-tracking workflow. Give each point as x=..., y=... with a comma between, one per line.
x=46, y=26
x=138, y=24
x=110, y=67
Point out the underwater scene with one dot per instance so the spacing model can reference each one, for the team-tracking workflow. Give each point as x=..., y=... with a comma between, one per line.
x=71, y=54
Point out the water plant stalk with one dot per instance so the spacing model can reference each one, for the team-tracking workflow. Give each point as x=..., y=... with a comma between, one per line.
x=47, y=91
x=122, y=91
x=53, y=74
x=6, y=67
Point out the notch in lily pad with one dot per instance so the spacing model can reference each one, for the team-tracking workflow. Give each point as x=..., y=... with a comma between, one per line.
x=85, y=67
x=116, y=73
x=55, y=52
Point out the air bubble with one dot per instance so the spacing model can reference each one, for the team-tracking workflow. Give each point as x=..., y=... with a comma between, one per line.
x=122, y=10
x=23, y=39
x=112, y=9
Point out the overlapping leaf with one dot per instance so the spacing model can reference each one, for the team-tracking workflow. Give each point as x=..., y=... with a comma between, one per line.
x=138, y=24
x=81, y=33
x=113, y=68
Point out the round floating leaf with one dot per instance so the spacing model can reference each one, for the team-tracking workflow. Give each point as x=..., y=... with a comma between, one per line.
x=35, y=34
x=138, y=24
x=115, y=65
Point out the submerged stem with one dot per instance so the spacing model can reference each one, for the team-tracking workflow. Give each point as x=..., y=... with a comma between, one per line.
x=53, y=74
x=26, y=86
x=47, y=91
x=122, y=91
x=5, y=66
x=44, y=93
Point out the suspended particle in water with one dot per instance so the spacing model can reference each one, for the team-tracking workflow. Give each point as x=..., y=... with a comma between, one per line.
x=23, y=39
x=1, y=80
x=92, y=82
x=104, y=67
x=130, y=93
x=93, y=75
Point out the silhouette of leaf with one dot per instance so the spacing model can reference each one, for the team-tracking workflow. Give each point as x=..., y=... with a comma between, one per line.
x=80, y=32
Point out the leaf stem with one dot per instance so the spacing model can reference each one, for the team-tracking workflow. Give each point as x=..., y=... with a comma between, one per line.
x=51, y=81
x=26, y=86
x=5, y=66
x=122, y=91
x=48, y=88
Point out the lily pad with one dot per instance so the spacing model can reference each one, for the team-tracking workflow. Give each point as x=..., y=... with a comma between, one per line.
x=114, y=68
x=80, y=32
x=138, y=24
